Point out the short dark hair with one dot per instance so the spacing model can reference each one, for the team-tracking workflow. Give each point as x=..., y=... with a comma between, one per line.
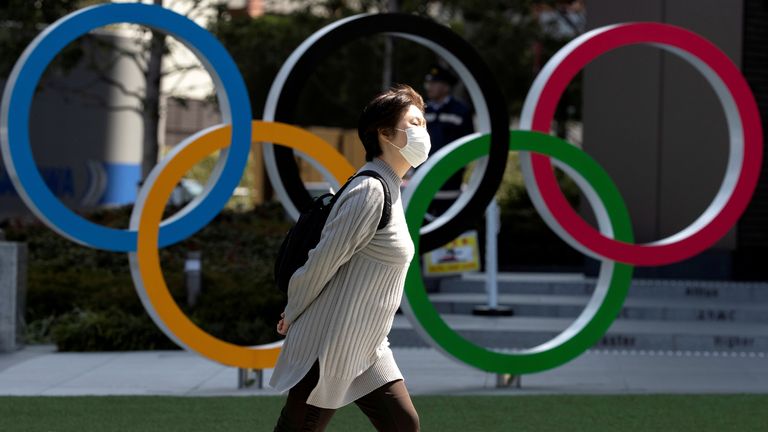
x=383, y=112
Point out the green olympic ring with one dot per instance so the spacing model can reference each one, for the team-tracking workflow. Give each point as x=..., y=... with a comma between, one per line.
x=596, y=318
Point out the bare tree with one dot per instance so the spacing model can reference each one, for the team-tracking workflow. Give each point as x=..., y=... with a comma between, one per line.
x=147, y=52
x=153, y=75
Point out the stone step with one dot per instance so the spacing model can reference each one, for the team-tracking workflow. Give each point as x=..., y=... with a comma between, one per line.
x=527, y=332
x=637, y=308
x=579, y=285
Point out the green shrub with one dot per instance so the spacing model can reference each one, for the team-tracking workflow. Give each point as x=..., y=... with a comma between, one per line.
x=525, y=242
x=39, y=331
x=110, y=330
x=232, y=307
x=84, y=299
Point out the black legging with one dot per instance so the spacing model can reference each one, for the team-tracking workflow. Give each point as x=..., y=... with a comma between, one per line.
x=389, y=408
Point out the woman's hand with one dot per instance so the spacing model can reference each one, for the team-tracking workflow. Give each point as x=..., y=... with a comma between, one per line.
x=282, y=327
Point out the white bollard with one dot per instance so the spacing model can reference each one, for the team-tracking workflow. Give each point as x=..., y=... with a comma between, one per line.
x=492, y=254
x=193, y=272
x=492, y=227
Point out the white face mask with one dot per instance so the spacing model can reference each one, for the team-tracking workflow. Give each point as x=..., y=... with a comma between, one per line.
x=417, y=145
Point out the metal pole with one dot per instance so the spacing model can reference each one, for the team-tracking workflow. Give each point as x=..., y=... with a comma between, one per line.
x=508, y=380
x=193, y=273
x=492, y=223
x=492, y=254
x=247, y=377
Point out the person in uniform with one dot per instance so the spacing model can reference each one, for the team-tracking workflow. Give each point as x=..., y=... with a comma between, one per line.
x=447, y=120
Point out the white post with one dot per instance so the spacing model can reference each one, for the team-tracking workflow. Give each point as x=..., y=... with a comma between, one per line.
x=492, y=224
x=193, y=272
x=491, y=254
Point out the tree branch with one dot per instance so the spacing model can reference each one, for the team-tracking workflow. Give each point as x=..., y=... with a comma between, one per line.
x=182, y=73
x=120, y=86
x=192, y=9
x=92, y=100
x=102, y=72
x=186, y=88
x=135, y=56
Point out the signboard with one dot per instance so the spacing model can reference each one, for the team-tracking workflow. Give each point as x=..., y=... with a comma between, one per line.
x=459, y=256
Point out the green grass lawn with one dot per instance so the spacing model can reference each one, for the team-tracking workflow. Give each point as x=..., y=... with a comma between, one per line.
x=438, y=413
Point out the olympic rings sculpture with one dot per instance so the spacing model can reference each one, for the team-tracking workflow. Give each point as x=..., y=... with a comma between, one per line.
x=612, y=243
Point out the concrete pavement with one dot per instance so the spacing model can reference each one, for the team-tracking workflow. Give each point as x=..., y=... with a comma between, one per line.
x=40, y=371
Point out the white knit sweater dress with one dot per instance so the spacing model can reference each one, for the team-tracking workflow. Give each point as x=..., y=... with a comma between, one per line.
x=342, y=302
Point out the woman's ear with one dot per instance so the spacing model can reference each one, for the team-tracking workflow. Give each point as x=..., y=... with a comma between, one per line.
x=385, y=133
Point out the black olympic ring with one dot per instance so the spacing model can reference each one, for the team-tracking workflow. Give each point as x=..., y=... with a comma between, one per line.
x=285, y=93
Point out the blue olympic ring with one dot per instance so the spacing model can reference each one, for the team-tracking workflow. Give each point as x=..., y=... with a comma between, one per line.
x=14, y=124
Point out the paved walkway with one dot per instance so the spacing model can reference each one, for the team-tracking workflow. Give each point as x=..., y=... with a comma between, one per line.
x=39, y=370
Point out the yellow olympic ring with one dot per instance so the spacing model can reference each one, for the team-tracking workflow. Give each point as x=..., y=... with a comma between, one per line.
x=165, y=311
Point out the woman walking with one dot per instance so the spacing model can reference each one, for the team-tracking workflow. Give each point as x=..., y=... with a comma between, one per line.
x=342, y=302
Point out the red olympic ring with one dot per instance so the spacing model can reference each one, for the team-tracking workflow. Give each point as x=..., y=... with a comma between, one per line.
x=744, y=118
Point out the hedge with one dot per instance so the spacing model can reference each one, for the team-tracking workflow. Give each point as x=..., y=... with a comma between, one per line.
x=83, y=299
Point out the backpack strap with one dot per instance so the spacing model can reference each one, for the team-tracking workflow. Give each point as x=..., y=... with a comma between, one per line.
x=386, y=213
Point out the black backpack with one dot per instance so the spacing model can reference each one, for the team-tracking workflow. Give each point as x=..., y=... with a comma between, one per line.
x=305, y=234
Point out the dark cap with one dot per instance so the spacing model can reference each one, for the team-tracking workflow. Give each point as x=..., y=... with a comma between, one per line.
x=438, y=73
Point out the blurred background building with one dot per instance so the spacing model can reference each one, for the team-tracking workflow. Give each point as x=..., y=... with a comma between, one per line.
x=657, y=127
